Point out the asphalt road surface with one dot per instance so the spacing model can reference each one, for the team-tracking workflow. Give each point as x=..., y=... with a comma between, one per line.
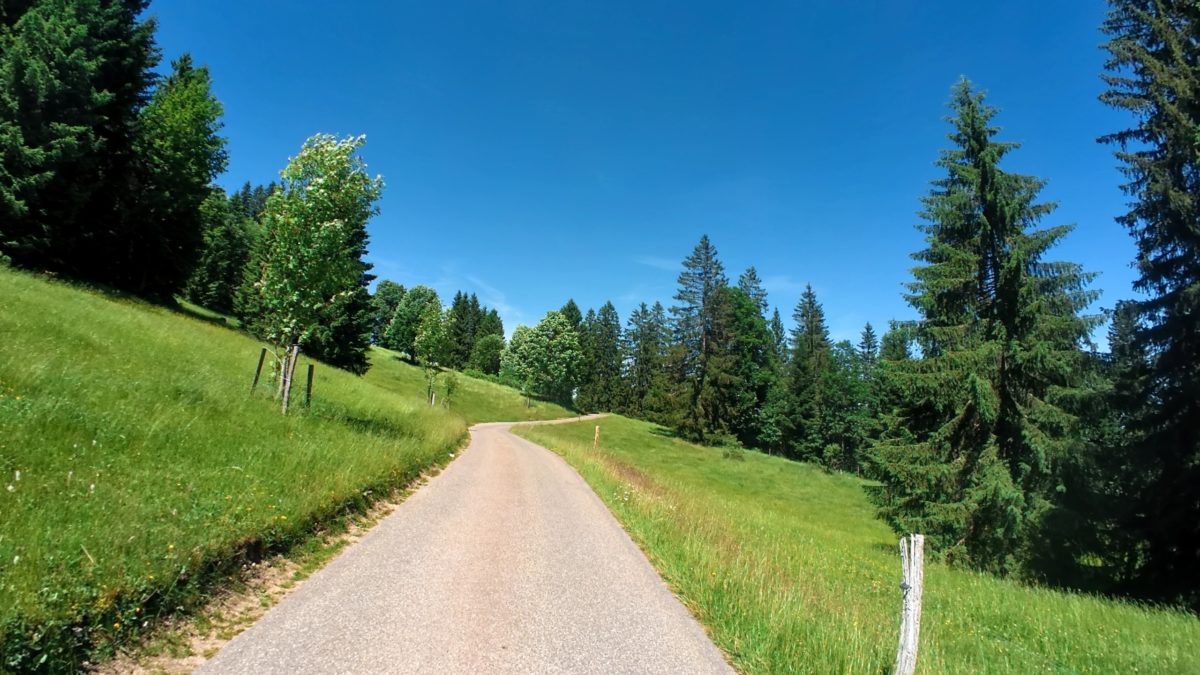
x=505, y=562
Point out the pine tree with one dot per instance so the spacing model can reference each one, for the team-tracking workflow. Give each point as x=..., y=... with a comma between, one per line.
x=1154, y=47
x=601, y=388
x=490, y=324
x=743, y=362
x=868, y=347
x=462, y=324
x=73, y=76
x=810, y=367
x=779, y=338
x=571, y=313
x=752, y=286
x=227, y=240
x=983, y=415
x=693, y=322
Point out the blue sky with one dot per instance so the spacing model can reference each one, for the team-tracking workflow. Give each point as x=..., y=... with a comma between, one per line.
x=539, y=151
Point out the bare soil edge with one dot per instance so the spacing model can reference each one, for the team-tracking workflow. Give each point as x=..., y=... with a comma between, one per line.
x=180, y=644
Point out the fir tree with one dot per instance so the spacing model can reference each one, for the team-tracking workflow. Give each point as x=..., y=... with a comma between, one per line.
x=601, y=388
x=752, y=286
x=571, y=313
x=1154, y=47
x=779, y=338
x=227, y=240
x=983, y=415
x=73, y=77
x=809, y=371
x=693, y=318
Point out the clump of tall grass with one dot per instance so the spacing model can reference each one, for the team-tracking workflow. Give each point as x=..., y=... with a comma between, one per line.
x=789, y=570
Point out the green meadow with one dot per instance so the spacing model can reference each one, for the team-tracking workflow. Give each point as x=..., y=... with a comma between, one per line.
x=137, y=469
x=787, y=567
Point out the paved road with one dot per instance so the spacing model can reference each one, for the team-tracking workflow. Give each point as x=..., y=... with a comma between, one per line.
x=505, y=562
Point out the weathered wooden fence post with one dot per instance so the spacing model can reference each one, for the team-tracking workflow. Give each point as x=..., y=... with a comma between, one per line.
x=912, y=562
x=308, y=387
x=596, y=440
x=289, y=374
x=258, y=371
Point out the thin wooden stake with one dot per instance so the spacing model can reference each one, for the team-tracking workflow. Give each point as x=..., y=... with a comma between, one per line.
x=258, y=371
x=912, y=562
x=596, y=439
x=308, y=387
x=289, y=375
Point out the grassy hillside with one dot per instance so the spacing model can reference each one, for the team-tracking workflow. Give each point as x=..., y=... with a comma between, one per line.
x=790, y=571
x=135, y=466
x=476, y=400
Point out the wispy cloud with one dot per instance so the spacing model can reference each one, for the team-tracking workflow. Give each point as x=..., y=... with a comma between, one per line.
x=782, y=284
x=490, y=295
x=658, y=263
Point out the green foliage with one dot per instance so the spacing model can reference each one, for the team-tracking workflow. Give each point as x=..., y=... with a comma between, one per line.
x=312, y=285
x=384, y=302
x=486, y=356
x=694, y=320
x=1151, y=72
x=789, y=571
x=148, y=471
x=228, y=239
x=545, y=360
x=984, y=414
x=179, y=155
x=752, y=286
x=600, y=387
x=811, y=369
x=475, y=399
x=401, y=333
x=644, y=347
x=73, y=77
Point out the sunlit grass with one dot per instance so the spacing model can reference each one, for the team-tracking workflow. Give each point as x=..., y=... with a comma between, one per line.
x=790, y=572
x=476, y=400
x=135, y=465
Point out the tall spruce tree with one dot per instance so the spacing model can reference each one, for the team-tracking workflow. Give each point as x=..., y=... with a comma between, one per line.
x=227, y=239
x=809, y=371
x=984, y=417
x=1154, y=48
x=694, y=317
x=461, y=327
x=571, y=313
x=752, y=286
x=779, y=337
x=73, y=77
x=602, y=388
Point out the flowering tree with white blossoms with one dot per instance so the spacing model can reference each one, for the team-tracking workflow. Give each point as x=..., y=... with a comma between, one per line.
x=315, y=228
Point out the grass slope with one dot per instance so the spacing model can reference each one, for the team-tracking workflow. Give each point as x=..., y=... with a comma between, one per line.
x=790, y=571
x=135, y=467
x=475, y=400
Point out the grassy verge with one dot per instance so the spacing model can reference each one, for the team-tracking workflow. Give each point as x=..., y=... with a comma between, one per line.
x=136, y=469
x=790, y=571
x=475, y=400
